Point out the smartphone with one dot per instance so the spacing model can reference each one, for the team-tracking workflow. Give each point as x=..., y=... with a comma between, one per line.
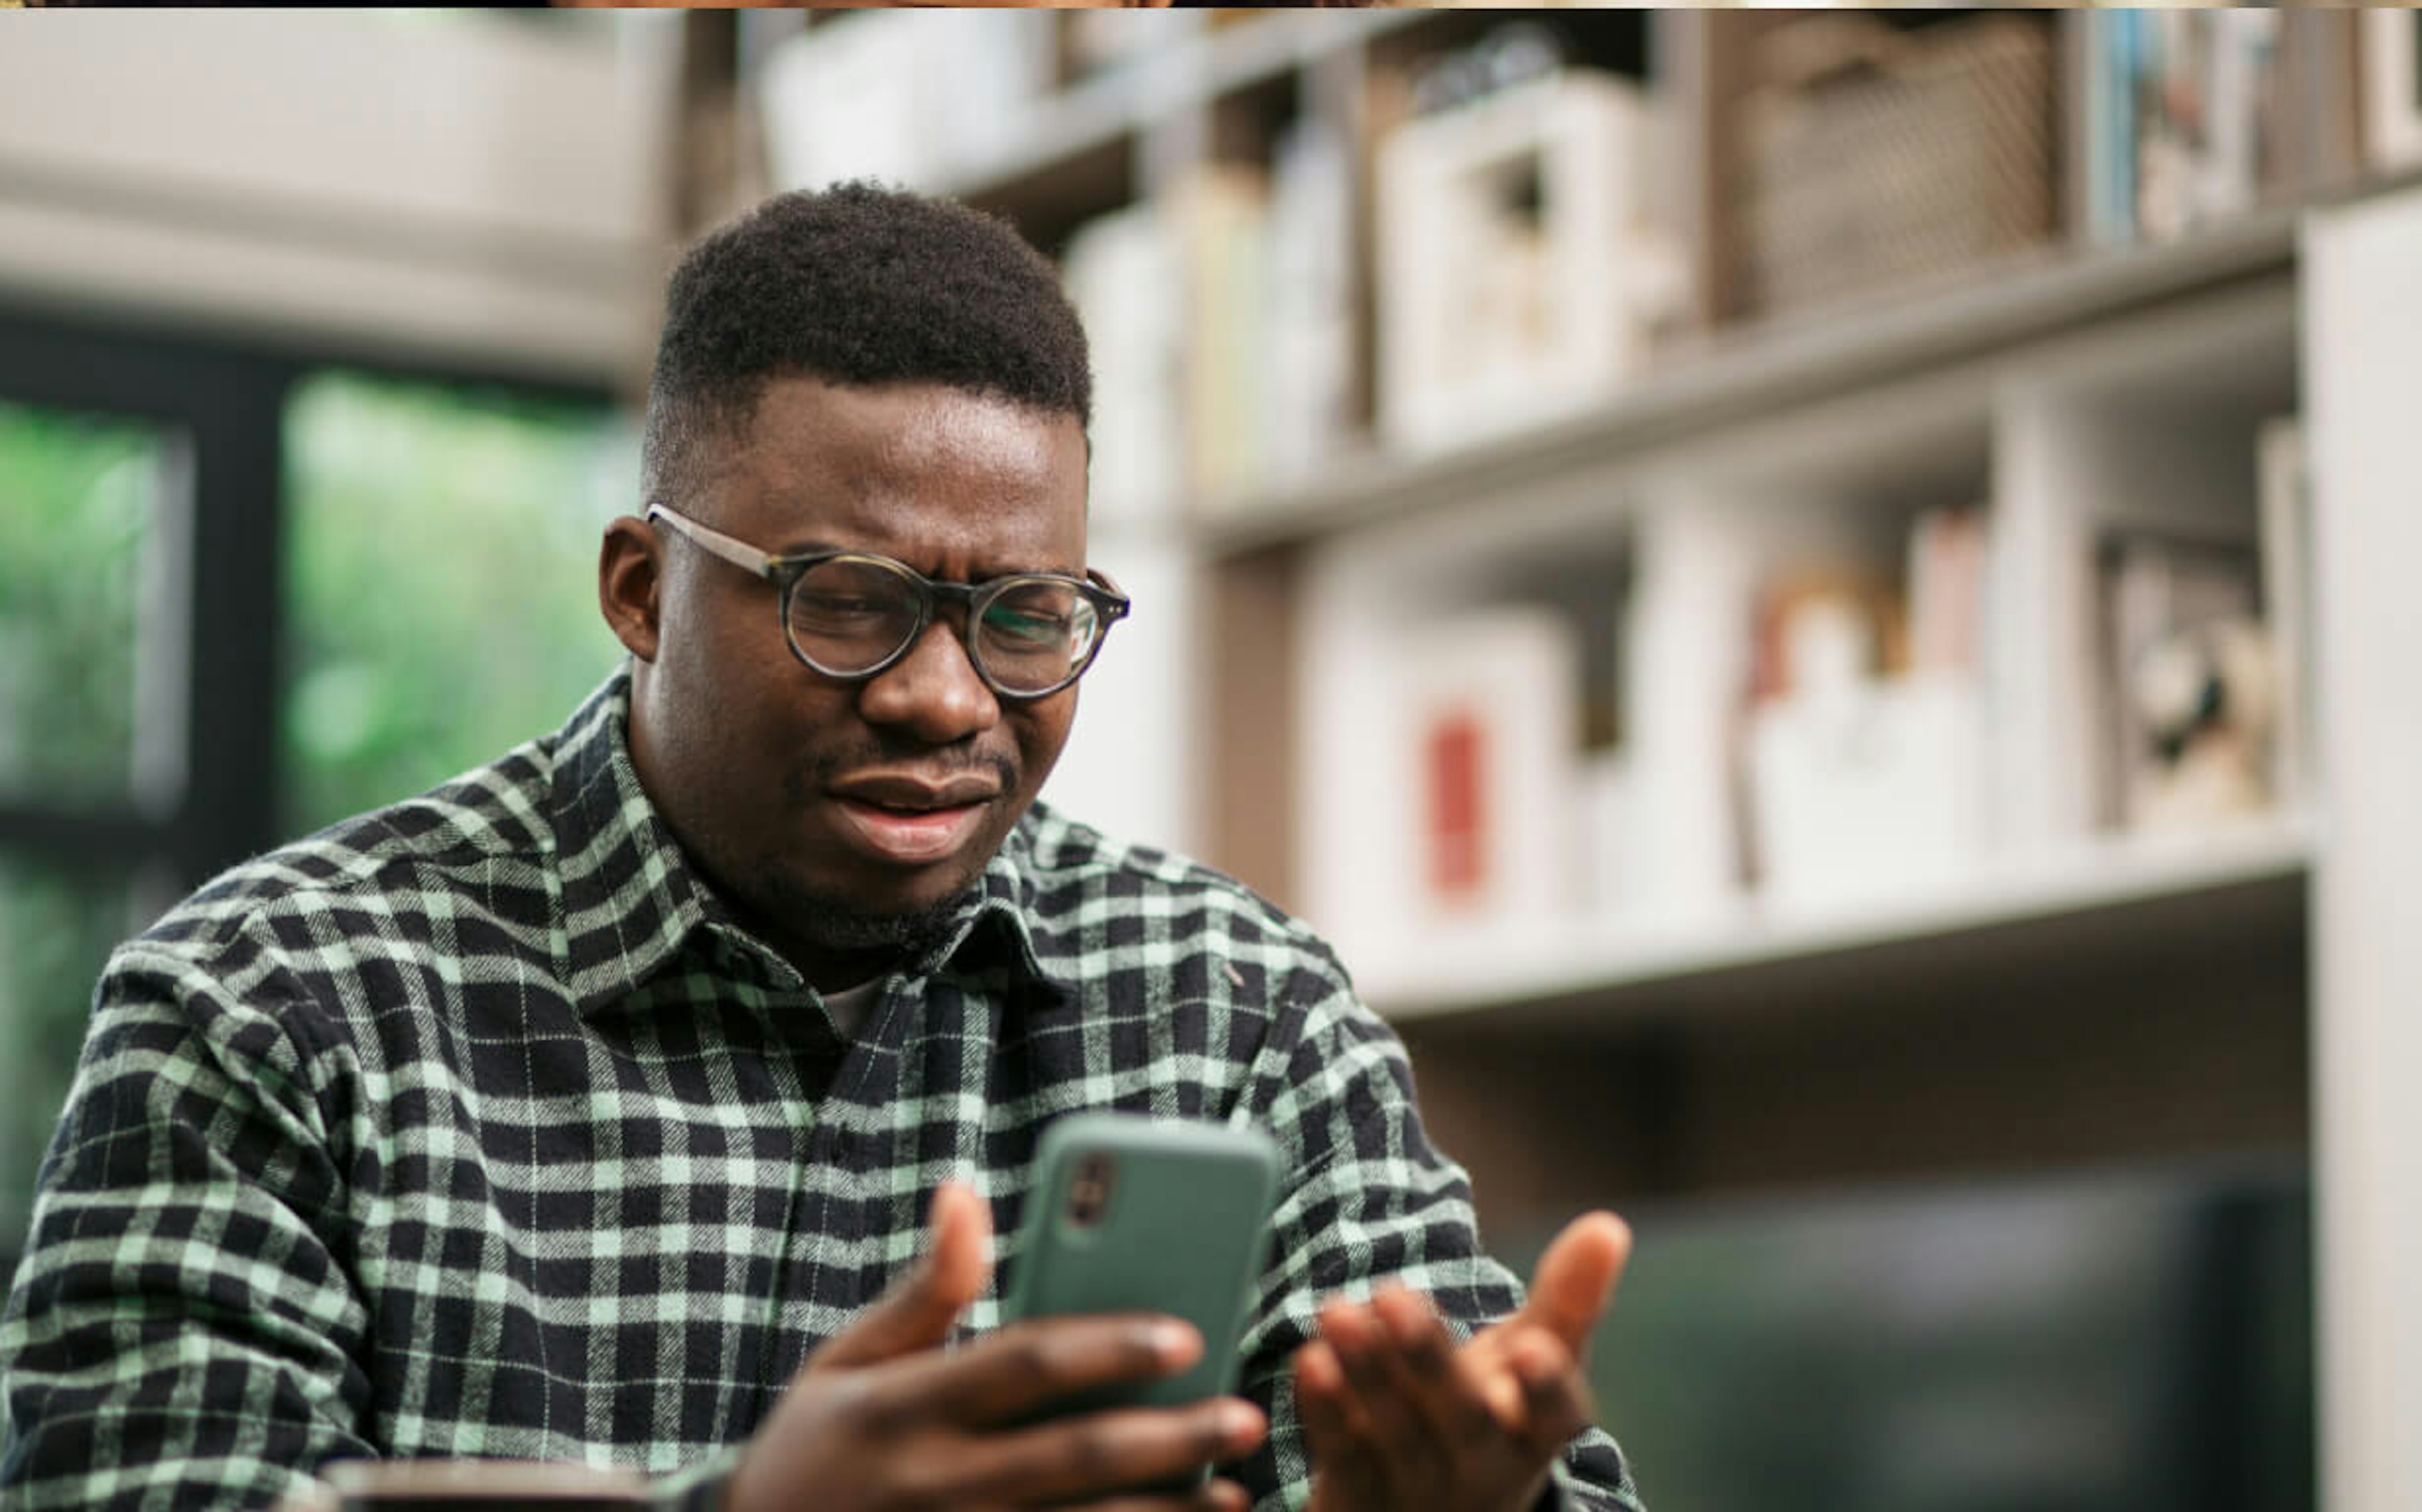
x=1154, y=1215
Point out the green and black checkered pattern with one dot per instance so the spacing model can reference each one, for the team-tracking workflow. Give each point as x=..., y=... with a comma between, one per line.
x=475, y=1127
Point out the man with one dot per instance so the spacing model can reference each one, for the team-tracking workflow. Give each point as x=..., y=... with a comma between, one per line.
x=599, y=1105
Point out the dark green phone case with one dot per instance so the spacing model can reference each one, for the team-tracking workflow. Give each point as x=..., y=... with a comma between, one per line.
x=1182, y=1230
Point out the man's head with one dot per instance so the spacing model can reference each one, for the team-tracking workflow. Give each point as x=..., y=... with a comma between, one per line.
x=867, y=371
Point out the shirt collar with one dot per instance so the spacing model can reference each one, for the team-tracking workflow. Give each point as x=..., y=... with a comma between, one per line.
x=632, y=900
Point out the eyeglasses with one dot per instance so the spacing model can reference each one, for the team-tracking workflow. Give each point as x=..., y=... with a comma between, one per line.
x=850, y=615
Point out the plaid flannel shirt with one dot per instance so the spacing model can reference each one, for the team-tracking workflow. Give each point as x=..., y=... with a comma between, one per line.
x=476, y=1127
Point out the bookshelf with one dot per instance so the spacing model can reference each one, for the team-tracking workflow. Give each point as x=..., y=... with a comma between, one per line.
x=2063, y=984
x=1730, y=375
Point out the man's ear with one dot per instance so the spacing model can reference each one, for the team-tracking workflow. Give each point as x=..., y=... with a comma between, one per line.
x=629, y=577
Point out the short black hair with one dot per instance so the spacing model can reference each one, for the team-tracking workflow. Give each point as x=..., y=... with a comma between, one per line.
x=857, y=284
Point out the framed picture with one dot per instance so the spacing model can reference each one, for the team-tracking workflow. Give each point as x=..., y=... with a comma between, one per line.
x=2392, y=88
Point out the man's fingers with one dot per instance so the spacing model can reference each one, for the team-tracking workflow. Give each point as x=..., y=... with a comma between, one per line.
x=1555, y=1402
x=1344, y=1454
x=1215, y=1496
x=917, y=1310
x=1576, y=1276
x=960, y=1262
x=1113, y=1453
x=1387, y=1390
x=1026, y=1369
x=1452, y=1397
x=1356, y=1338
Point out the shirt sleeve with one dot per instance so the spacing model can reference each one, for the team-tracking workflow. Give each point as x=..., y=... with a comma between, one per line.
x=1367, y=1199
x=185, y=1332
x=179, y=1332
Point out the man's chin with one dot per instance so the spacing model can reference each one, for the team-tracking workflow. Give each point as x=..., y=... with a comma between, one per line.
x=830, y=919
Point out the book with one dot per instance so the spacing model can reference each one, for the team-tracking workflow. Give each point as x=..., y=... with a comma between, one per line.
x=2285, y=489
x=834, y=108
x=1491, y=745
x=1119, y=269
x=2191, y=119
x=1219, y=217
x=1946, y=590
x=2391, y=92
x=2188, y=682
x=1308, y=383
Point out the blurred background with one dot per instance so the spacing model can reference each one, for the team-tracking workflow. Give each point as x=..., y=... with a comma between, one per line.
x=1797, y=591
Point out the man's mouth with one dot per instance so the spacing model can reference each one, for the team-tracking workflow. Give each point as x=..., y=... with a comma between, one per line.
x=912, y=836
x=910, y=822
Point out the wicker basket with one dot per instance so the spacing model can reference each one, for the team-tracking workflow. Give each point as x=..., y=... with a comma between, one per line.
x=1871, y=158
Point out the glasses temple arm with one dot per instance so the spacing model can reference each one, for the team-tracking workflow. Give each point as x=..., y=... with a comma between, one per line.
x=738, y=553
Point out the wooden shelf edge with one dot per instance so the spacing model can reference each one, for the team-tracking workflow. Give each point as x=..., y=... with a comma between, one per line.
x=1581, y=962
x=1095, y=112
x=1770, y=367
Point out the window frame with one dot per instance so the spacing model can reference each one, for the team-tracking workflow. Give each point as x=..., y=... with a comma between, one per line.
x=227, y=398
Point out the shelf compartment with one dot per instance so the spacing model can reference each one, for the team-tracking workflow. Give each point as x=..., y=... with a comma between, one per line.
x=1746, y=373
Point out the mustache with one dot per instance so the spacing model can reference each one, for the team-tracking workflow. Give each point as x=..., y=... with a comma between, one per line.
x=824, y=768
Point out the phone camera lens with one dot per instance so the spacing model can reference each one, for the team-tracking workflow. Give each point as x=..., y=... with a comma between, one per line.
x=1088, y=1194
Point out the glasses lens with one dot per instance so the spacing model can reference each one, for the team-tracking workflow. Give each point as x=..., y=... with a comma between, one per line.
x=847, y=616
x=1036, y=634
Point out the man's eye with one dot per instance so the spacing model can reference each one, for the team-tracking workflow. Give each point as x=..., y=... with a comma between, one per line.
x=827, y=603
x=1028, y=627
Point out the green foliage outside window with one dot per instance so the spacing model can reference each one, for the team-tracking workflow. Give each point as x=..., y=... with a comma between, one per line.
x=441, y=570
x=79, y=497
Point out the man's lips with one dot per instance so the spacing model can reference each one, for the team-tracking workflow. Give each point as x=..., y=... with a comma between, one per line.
x=913, y=820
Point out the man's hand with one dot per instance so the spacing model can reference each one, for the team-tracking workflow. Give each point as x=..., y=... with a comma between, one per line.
x=882, y=1419
x=1401, y=1420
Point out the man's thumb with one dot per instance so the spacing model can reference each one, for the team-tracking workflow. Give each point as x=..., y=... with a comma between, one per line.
x=1576, y=1275
x=917, y=1310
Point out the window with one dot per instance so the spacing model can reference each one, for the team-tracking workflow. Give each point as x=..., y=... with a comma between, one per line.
x=184, y=522
x=441, y=581
x=91, y=610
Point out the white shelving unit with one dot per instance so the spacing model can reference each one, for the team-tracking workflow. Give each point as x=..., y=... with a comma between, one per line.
x=1608, y=972
x=2133, y=413
x=2362, y=328
x=2067, y=392
x=1744, y=374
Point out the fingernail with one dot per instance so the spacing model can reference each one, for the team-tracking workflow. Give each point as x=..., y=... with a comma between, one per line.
x=1172, y=1341
x=1236, y=1421
x=1225, y=1495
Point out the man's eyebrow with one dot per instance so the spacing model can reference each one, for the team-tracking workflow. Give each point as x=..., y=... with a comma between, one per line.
x=808, y=548
x=816, y=547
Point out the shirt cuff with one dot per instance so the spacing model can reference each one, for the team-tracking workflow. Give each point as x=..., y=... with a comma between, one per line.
x=1566, y=1494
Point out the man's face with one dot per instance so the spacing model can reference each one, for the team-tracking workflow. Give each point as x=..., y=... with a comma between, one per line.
x=789, y=788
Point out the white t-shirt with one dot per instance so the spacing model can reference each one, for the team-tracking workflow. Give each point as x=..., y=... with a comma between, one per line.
x=848, y=1007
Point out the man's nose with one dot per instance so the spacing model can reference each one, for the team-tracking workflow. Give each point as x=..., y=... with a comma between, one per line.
x=934, y=691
